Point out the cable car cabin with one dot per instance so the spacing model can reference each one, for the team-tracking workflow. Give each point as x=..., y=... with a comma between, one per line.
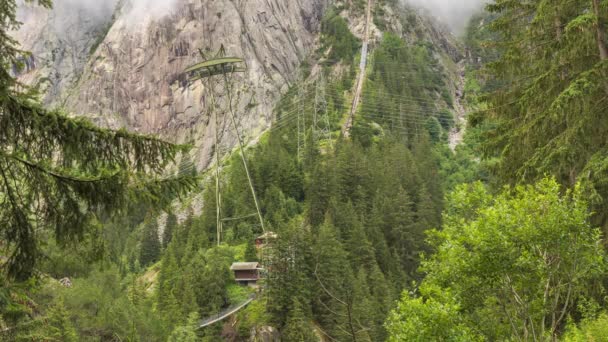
x=246, y=273
x=265, y=239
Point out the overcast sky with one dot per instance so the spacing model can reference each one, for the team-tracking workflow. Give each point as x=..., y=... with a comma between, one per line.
x=454, y=13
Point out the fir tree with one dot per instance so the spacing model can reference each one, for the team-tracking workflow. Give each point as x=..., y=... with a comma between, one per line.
x=60, y=327
x=55, y=170
x=251, y=253
x=547, y=103
x=319, y=190
x=298, y=327
x=382, y=301
x=290, y=259
x=360, y=248
x=170, y=227
x=334, y=282
x=150, y=245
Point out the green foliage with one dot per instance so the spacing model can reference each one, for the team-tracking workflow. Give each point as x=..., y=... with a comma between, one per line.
x=298, y=327
x=254, y=315
x=251, y=253
x=100, y=307
x=591, y=329
x=337, y=37
x=170, y=227
x=291, y=277
x=506, y=267
x=546, y=104
x=350, y=214
x=186, y=333
x=428, y=319
x=463, y=165
x=405, y=84
x=49, y=158
x=150, y=244
x=60, y=327
x=446, y=119
x=237, y=294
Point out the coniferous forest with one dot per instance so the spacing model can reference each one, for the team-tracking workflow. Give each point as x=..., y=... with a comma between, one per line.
x=412, y=184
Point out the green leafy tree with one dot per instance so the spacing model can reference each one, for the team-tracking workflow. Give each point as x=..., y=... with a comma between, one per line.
x=590, y=329
x=507, y=267
x=429, y=319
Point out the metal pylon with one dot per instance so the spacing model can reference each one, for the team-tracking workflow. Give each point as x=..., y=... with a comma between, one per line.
x=216, y=70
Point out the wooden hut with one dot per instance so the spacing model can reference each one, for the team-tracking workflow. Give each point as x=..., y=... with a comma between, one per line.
x=246, y=273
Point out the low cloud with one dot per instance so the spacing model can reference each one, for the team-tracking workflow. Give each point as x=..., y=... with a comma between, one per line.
x=143, y=11
x=454, y=13
x=67, y=12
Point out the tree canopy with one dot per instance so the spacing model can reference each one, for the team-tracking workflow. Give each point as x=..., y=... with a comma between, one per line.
x=510, y=266
x=549, y=101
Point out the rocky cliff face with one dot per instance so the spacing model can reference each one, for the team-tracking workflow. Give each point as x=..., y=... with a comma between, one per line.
x=124, y=68
x=60, y=41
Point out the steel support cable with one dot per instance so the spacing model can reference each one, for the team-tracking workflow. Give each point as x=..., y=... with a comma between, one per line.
x=241, y=145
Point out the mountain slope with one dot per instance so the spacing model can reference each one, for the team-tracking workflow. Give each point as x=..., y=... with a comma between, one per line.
x=132, y=77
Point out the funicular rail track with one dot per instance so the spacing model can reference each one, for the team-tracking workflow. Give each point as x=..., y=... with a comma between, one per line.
x=362, y=67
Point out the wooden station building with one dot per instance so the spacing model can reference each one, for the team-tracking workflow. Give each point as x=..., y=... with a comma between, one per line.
x=246, y=273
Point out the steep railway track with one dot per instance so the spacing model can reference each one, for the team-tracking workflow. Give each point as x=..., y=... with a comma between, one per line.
x=362, y=67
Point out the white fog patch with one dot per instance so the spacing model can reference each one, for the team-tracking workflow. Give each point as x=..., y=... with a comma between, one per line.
x=454, y=13
x=141, y=12
x=66, y=12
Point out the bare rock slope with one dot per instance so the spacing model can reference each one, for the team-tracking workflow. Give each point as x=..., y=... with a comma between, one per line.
x=124, y=68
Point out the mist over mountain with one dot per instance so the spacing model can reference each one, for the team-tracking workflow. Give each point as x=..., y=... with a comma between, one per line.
x=98, y=12
x=453, y=13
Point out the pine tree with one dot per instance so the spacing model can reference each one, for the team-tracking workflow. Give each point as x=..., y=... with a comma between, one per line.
x=333, y=277
x=362, y=305
x=375, y=228
x=211, y=271
x=298, y=327
x=359, y=247
x=427, y=215
x=150, y=245
x=546, y=105
x=251, y=253
x=167, y=279
x=383, y=298
x=60, y=327
x=320, y=188
x=401, y=230
x=290, y=260
x=344, y=218
x=56, y=170
x=170, y=227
